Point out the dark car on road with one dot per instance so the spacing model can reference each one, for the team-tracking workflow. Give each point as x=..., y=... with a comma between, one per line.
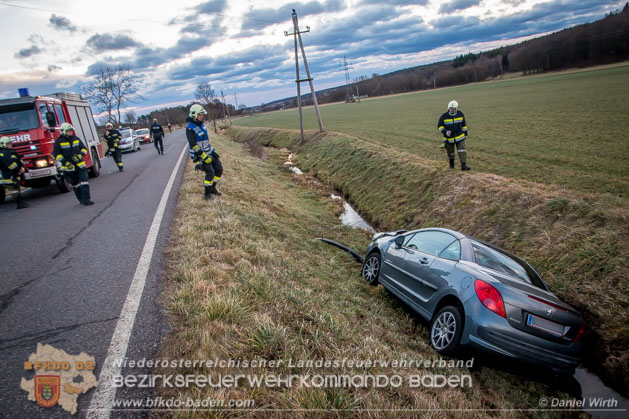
x=476, y=294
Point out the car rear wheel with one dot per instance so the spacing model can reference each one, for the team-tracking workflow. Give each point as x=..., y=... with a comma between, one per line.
x=445, y=330
x=371, y=268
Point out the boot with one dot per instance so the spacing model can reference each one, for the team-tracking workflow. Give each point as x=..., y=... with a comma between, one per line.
x=451, y=163
x=88, y=202
x=21, y=204
x=208, y=193
x=214, y=190
x=464, y=166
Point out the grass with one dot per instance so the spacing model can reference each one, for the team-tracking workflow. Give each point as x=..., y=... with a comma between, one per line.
x=246, y=280
x=567, y=129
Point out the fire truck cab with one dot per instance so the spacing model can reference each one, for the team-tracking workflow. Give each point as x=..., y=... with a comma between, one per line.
x=33, y=123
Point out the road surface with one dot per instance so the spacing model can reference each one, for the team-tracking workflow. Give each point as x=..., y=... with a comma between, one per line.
x=66, y=270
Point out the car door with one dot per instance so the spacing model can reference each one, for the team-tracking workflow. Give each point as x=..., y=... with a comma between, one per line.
x=392, y=262
x=426, y=272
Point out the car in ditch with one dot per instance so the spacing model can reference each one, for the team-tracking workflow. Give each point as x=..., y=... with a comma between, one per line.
x=476, y=294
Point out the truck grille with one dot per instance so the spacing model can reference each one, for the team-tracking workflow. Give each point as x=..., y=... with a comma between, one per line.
x=30, y=149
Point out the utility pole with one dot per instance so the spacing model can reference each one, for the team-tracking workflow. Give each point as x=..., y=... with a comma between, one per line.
x=348, y=88
x=226, y=109
x=297, y=36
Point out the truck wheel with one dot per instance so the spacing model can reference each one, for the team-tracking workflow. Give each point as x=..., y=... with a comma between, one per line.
x=39, y=183
x=95, y=169
x=63, y=184
x=2, y=195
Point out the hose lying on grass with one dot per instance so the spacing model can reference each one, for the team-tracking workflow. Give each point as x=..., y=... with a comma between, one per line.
x=354, y=253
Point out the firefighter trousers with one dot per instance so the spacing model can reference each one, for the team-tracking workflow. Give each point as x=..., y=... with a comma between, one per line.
x=78, y=179
x=213, y=171
x=117, y=156
x=460, y=148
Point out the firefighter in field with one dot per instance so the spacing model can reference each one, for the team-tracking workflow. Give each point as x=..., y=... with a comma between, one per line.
x=454, y=129
x=157, y=132
x=113, y=137
x=12, y=170
x=70, y=152
x=201, y=151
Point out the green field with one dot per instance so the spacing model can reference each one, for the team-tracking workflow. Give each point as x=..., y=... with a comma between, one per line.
x=570, y=129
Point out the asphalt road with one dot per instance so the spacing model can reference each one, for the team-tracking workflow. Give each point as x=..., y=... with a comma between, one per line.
x=66, y=269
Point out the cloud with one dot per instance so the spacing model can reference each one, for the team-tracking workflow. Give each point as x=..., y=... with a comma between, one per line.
x=53, y=67
x=61, y=23
x=260, y=18
x=454, y=6
x=28, y=52
x=394, y=2
x=212, y=6
x=110, y=42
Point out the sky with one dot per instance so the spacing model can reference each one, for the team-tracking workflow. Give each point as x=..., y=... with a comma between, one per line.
x=240, y=46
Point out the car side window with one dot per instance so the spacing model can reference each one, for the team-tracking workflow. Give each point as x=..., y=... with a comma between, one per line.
x=452, y=252
x=431, y=242
x=407, y=239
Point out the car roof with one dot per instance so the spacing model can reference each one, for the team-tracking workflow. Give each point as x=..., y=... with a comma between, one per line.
x=456, y=234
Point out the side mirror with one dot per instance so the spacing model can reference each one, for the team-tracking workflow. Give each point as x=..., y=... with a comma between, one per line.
x=399, y=241
x=50, y=119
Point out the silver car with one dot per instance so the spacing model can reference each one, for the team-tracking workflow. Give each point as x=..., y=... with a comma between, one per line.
x=129, y=140
x=476, y=294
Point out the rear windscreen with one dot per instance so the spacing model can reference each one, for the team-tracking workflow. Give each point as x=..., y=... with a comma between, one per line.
x=491, y=258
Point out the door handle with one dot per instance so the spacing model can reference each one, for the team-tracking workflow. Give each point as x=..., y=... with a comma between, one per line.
x=423, y=261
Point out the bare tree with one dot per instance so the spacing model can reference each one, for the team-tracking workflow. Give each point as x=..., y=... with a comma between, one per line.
x=112, y=89
x=130, y=117
x=207, y=96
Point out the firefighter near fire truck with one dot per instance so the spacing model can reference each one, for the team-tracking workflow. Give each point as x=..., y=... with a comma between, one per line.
x=113, y=136
x=453, y=127
x=202, y=152
x=12, y=170
x=70, y=152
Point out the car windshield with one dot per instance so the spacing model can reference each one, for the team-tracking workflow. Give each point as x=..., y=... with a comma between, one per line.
x=491, y=258
x=125, y=133
x=142, y=131
x=19, y=117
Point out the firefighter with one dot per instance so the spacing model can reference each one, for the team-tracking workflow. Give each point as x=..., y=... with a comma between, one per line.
x=454, y=130
x=70, y=152
x=169, y=127
x=157, y=132
x=113, y=136
x=201, y=151
x=12, y=170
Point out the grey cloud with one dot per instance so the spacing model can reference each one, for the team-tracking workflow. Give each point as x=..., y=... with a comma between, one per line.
x=53, y=67
x=213, y=6
x=62, y=23
x=28, y=52
x=454, y=6
x=261, y=18
x=394, y=2
x=110, y=42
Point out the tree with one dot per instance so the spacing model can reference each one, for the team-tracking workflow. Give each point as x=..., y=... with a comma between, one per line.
x=112, y=89
x=130, y=117
x=207, y=96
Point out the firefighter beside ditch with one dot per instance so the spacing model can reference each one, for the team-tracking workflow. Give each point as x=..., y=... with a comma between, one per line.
x=201, y=151
x=113, y=137
x=454, y=129
x=70, y=152
x=12, y=170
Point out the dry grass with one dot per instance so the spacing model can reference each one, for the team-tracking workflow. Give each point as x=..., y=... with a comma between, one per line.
x=248, y=281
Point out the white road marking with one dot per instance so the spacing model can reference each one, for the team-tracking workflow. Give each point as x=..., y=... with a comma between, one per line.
x=103, y=397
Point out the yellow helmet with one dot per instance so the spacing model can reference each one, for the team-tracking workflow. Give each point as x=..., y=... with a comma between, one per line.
x=5, y=141
x=195, y=110
x=65, y=127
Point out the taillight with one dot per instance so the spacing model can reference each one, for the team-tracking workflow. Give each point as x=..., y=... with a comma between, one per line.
x=490, y=297
x=580, y=333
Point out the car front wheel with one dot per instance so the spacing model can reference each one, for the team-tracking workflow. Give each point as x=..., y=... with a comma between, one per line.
x=445, y=330
x=371, y=269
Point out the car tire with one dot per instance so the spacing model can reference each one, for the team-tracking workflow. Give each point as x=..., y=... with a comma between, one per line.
x=371, y=269
x=63, y=184
x=95, y=169
x=446, y=328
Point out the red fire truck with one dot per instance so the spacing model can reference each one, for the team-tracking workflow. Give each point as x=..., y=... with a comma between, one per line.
x=33, y=123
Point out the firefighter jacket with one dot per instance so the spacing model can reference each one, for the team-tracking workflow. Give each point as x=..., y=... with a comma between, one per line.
x=455, y=124
x=156, y=130
x=10, y=164
x=113, y=137
x=199, y=141
x=69, y=152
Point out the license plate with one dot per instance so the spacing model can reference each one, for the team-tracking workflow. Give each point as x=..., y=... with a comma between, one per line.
x=31, y=174
x=545, y=325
